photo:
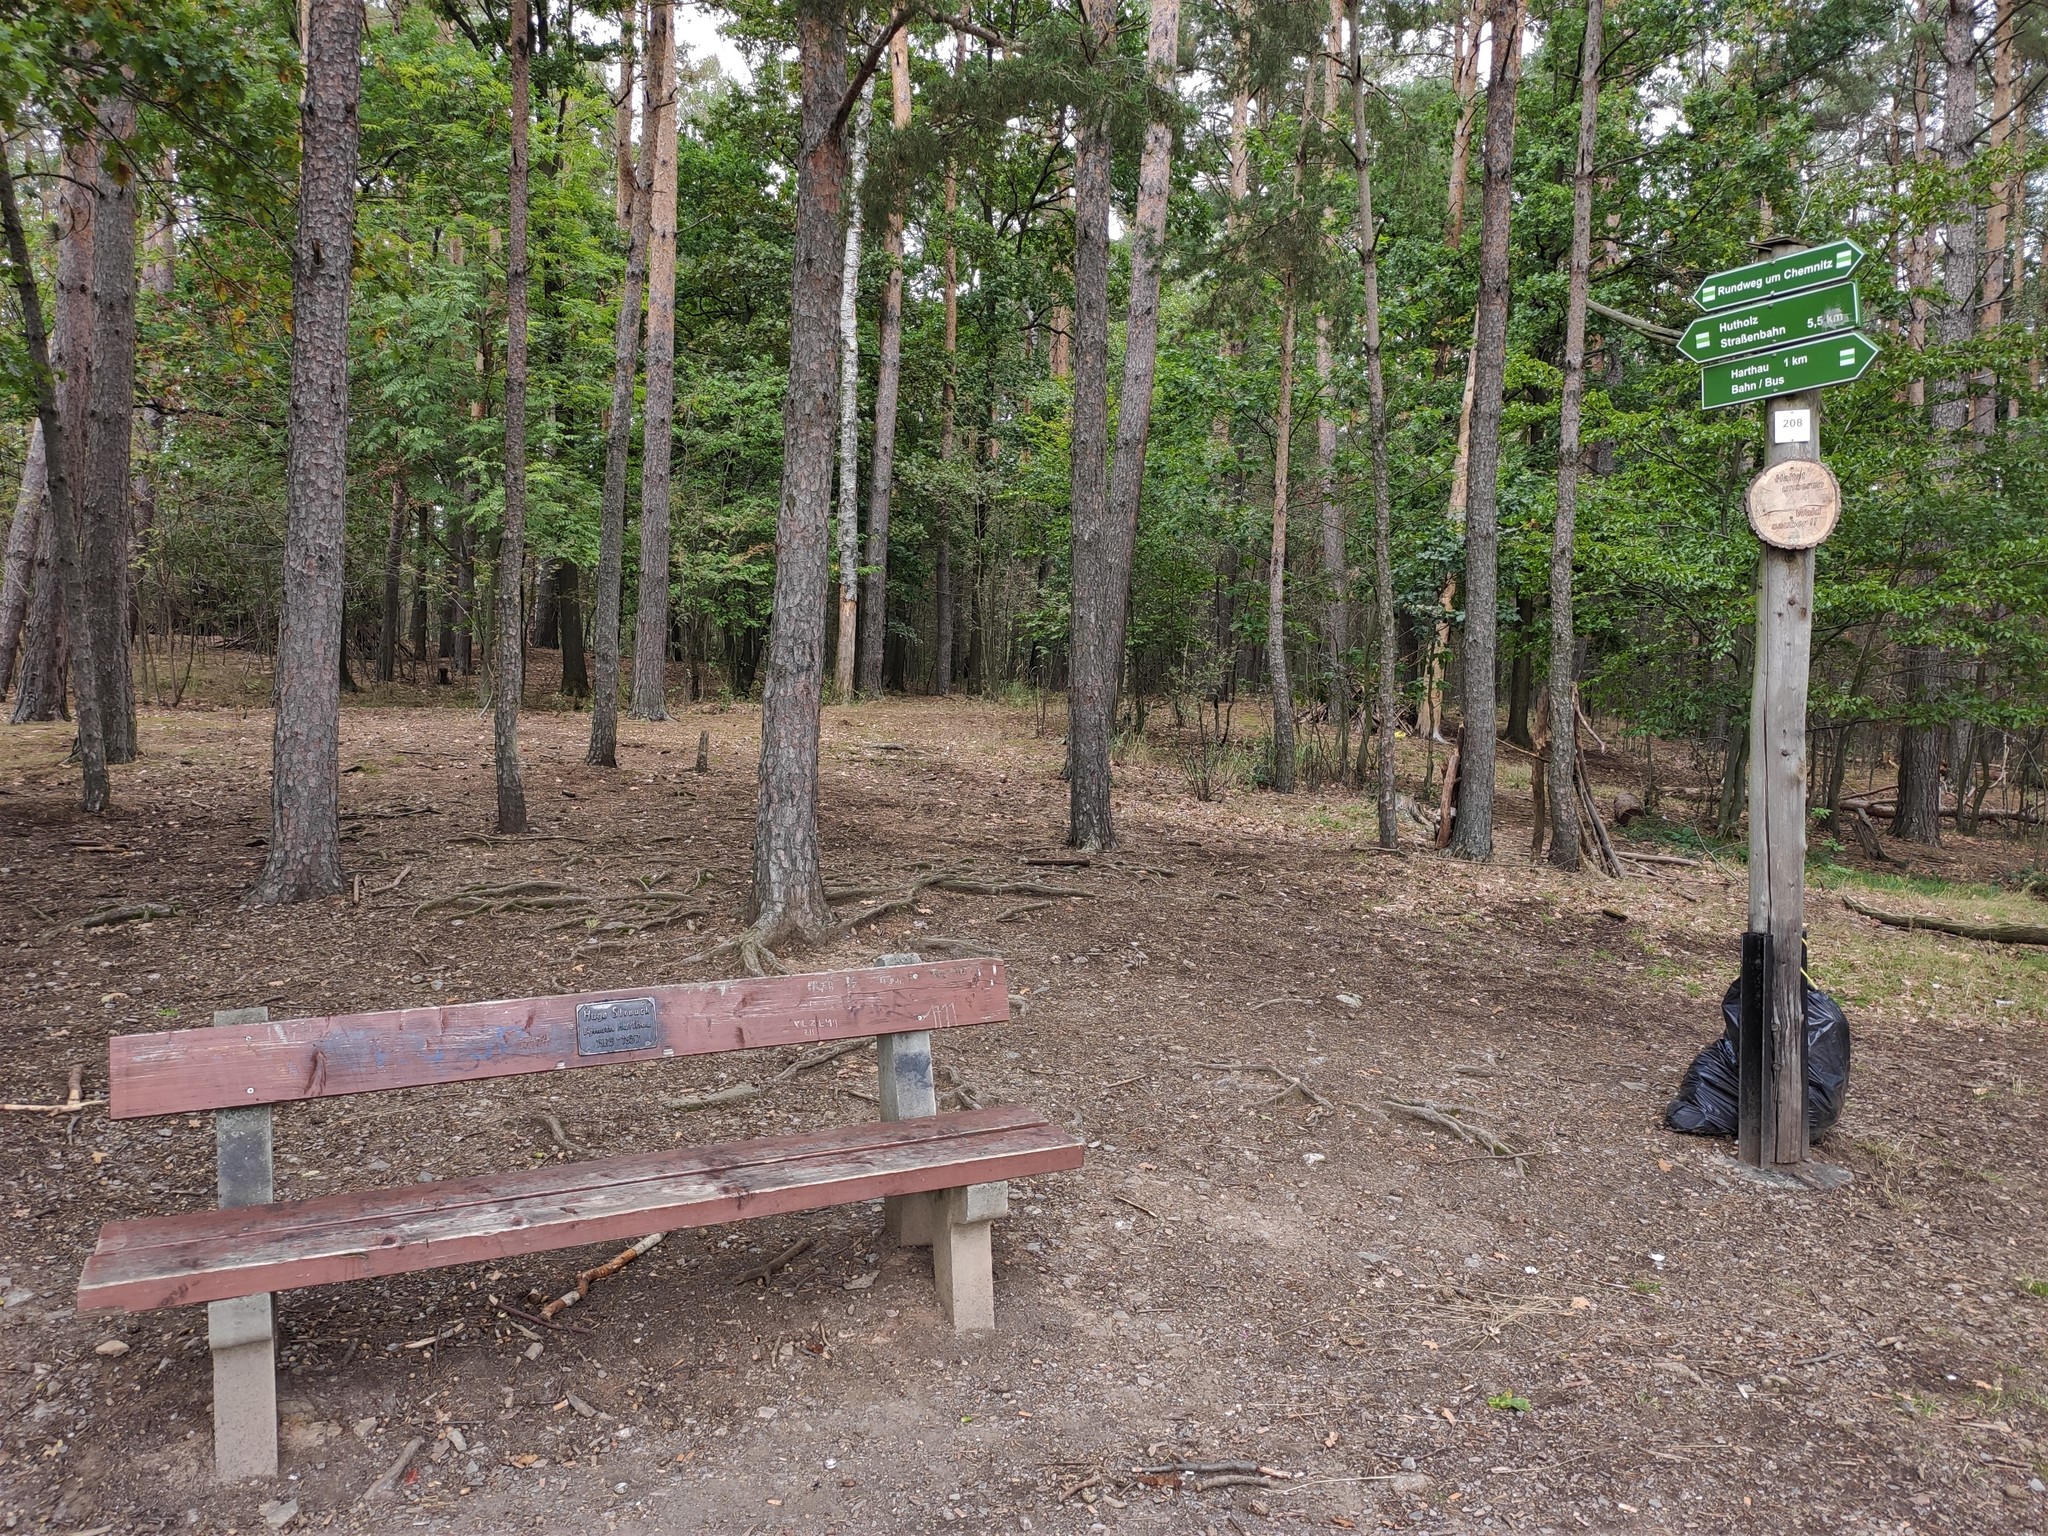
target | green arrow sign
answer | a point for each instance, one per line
(1726, 333)
(1810, 365)
(1778, 275)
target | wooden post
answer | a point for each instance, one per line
(240, 1332)
(906, 1090)
(1777, 804)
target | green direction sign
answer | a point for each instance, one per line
(1726, 333)
(1778, 275)
(1810, 365)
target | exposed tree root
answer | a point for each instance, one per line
(1445, 1118)
(739, 1093)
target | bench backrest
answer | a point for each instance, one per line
(238, 1065)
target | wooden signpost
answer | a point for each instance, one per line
(1752, 313)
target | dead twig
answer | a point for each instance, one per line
(72, 1102)
(107, 917)
(1011, 914)
(782, 1260)
(557, 1134)
(388, 1483)
(1294, 1084)
(1988, 933)
(604, 1271)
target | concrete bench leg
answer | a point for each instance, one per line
(906, 1091)
(244, 1388)
(961, 1262)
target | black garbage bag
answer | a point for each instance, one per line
(1705, 1105)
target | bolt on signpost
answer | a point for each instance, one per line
(1780, 330)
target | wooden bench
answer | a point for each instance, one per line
(941, 1177)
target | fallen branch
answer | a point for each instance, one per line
(1989, 933)
(740, 1092)
(1294, 1084)
(72, 1102)
(1011, 914)
(559, 1136)
(1657, 858)
(604, 1271)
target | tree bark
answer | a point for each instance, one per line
(23, 534)
(95, 794)
(1564, 718)
(626, 175)
(1465, 87)
(422, 539)
(849, 413)
(789, 889)
(508, 682)
(1092, 665)
(1276, 569)
(394, 566)
(1141, 323)
(650, 626)
(40, 695)
(108, 513)
(305, 777)
(874, 597)
(569, 629)
(618, 444)
(160, 246)
(1335, 556)
(1385, 681)
(1473, 836)
(949, 404)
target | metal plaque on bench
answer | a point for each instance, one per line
(624, 1024)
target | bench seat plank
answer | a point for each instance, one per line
(214, 1255)
(185, 1071)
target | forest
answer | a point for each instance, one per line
(1202, 517)
(1155, 364)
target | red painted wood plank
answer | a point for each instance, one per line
(214, 1255)
(182, 1071)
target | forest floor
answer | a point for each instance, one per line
(1618, 1333)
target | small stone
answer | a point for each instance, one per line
(457, 1439)
(279, 1513)
(112, 1349)
(364, 1428)
(1258, 1507)
(1350, 1000)
(533, 1350)
(581, 1409)
(1408, 1483)
(766, 1413)
(2015, 1491)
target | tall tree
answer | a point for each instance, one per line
(1141, 324)
(508, 667)
(849, 413)
(1385, 696)
(1092, 664)
(23, 534)
(1472, 837)
(789, 888)
(650, 627)
(305, 772)
(109, 518)
(949, 405)
(40, 694)
(618, 443)
(1276, 567)
(95, 794)
(1564, 742)
(874, 598)
(1920, 737)
(394, 568)
(1323, 484)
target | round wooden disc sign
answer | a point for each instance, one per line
(1794, 505)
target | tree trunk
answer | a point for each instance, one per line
(1919, 802)
(1276, 569)
(160, 247)
(1465, 86)
(789, 890)
(1564, 721)
(626, 176)
(1092, 665)
(40, 695)
(108, 514)
(949, 404)
(96, 795)
(1385, 680)
(394, 565)
(874, 597)
(509, 663)
(23, 534)
(465, 592)
(1323, 485)
(569, 629)
(422, 539)
(650, 626)
(849, 413)
(618, 444)
(1521, 672)
(305, 778)
(1473, 837)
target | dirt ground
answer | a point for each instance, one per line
(1616, 1334)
